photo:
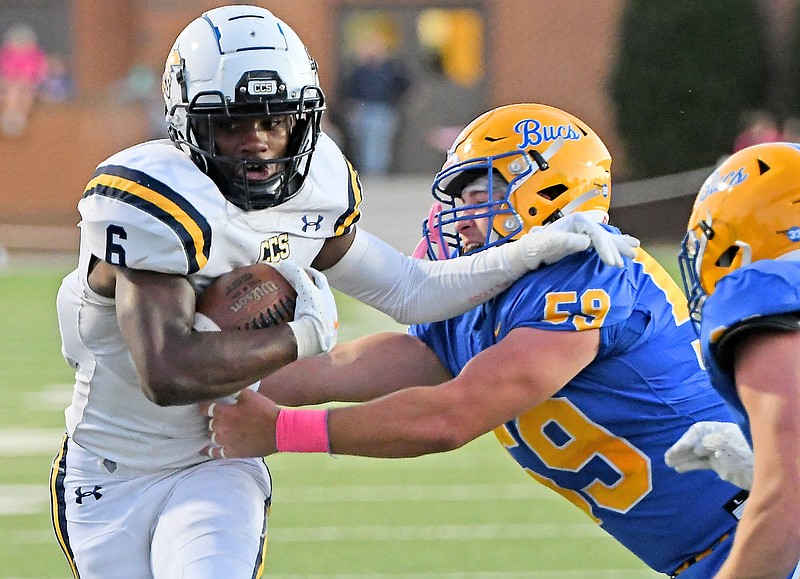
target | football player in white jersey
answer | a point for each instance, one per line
(246, 176)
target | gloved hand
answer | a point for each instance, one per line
(315, 317)
(570, 234)
(718, 446)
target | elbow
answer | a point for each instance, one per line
(447, 433)
(158, 394)
(792, 534)
(453, 422)
(445, 443)
(163, 389)
(401, 315)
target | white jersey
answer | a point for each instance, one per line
(149, 207)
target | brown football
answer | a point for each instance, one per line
(249, 297)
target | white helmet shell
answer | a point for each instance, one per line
(236, 60)
(215, 51)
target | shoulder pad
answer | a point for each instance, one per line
(334, 189)
(132, 218)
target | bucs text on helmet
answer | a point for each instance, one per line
(748, 209)
(540, 163)
(234, 63)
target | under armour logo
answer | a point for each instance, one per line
(86, 494)
(315, 224)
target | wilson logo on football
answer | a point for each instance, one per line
(259, 292)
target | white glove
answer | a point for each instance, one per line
(718, 446)
(570, 234)
(315, 318)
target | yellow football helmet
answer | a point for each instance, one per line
(748, 209)
(541, 163)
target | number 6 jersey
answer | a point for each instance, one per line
(149, 207)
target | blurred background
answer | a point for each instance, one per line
(670, 89)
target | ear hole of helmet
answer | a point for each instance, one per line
(552, 192)
(727, 257)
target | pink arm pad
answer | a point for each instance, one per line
(302, 430)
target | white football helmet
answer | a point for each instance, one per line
(242, 61)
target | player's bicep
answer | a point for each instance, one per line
(522, 370)
(333, 250)
(154, 311)
(767, 370)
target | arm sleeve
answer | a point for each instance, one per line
(414, 291)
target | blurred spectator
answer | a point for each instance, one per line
(791, 130)
(58, 86)
(760, 127)
(142, 86)
(23, 67)
(372, 92)
(331, 128)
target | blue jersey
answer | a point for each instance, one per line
(746, 296)
(600, 440)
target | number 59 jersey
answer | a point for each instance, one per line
(149, 207)
(600, 440)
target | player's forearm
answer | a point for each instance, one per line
(375, 273)
(767, 543)
(413, 422)
(207, 365)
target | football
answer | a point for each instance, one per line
(250, 297)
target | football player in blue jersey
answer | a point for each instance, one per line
(246, 176)
(586, 373)
(741, 265)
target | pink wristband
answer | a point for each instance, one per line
(302, 430)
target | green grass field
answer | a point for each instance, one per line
(470, 513)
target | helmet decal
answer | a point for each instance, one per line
(534, 133)
(719, 182)
(172, 66)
